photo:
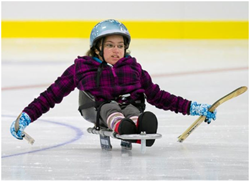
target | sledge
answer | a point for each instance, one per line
(106, 133)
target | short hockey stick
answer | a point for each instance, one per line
(26, 136)
(227, 97)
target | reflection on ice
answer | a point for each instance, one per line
(64, 150)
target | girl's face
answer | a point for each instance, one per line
(113, 49)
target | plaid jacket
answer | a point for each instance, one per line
(126, 76)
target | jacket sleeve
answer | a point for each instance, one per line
(162, 99)
(54, 94)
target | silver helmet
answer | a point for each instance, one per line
(108, 27)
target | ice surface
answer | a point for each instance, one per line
(200, 70)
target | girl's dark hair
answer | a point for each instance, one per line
(91, 52)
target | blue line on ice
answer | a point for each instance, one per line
(78, 135)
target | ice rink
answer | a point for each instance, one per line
(198, 70)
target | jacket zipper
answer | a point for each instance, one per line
(113, 71)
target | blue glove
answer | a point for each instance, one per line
(202, 110)
(23, 123)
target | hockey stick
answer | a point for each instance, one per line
(26, 136)
(227, 97)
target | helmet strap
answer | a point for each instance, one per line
(101, 50)
(100, 68)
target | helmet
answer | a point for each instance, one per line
(108, 27)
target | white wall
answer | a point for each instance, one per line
(162, 10)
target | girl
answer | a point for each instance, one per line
(114, 84)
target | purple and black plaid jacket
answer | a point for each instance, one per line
(126, 76)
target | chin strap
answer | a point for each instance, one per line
(100, 68)
(99, 72)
